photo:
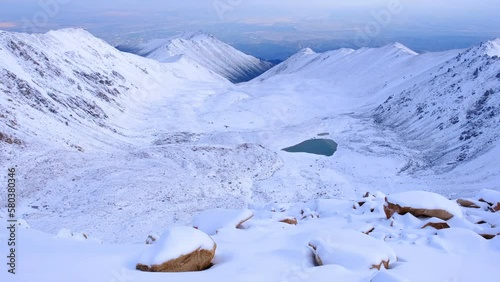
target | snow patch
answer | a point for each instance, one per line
(490, 196)
(352, 250)
(212, 220)
(493, 48)
(404, 49)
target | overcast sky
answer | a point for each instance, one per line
(353, 22)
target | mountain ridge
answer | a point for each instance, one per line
(206, 51)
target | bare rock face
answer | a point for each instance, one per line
(179, 249)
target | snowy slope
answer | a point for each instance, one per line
(206, 51)
(82, 119)
(451, 113)
(67, 85)
(303, 59)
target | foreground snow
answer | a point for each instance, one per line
(350, 235)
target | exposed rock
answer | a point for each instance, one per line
(291, 221)
(390, 209)
(379, 266)
(488, 236)
(496, 208)
(467, 204)
(151, 239)
(491, 197)
(437, 225)
(196, 261)
(369, 231)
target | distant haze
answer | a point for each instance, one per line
(268, 29)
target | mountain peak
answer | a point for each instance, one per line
(307, 51)
(207, 51)
(492, 47)
(402, 48)
(194, 35)
(70, 31)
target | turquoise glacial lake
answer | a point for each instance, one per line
(325, 147)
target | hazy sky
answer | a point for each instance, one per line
(422, 24)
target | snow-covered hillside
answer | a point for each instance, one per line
(208, 52)
(69, 87)
(450, 113)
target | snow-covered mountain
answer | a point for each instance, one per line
(209, 52)
(67, 85)
(451, 112)
(99, 133)
(442, 104)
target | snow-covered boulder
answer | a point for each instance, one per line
(179, 249)
(490, 197)
(420, 203)
(210, 221)
(352, 250)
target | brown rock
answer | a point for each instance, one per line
(291, 221)
(379, 266)
(496, 208)
(437, 225)
(488, 236)
(240, 224)
(390, 209)
(467, 204)
(196, 261)
(484, 201)
(369, 231)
